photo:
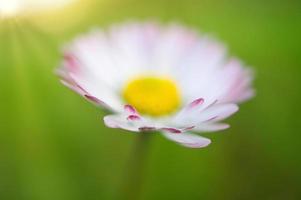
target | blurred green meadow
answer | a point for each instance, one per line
(54, 145)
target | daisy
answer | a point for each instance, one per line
(167, 79)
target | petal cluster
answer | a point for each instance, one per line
(98, 65)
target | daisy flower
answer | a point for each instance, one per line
(167, 79)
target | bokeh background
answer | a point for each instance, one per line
(54, 146)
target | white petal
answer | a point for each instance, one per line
(183, 117)
(100, 91)
(104, 98)
(198, 73)
(129, 120)
(218, 112)
(198, 114)
(188, 140)
(118, 121)
(236, 82)
(210, 127)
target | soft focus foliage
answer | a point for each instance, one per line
(53, 144)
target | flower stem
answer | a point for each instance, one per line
(134, 173)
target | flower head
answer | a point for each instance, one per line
(157, 78)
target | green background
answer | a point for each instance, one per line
(54, 146)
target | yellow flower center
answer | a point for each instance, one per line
(152, 95)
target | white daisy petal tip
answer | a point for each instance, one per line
(211, 127)
(219, 112)
(188, 140)
(117, 121)
(109, 122)
(144, 72)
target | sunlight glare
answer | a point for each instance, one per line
(9, 7)
(14, 7)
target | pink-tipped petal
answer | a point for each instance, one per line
(71, 62)
(133, 118)
(172, 130)
(130, 110)
(94, 99)
(147, 129)
(116, 121)
(183, 117)
(196, 103)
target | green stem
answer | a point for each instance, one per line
(134, 173)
